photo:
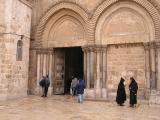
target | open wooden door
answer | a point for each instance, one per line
(58, 87)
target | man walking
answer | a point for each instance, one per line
(80, 90)
(73, 86)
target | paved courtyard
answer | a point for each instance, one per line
(67, 108)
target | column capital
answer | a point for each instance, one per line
(151, 45)
(146, 45)
(158, 44)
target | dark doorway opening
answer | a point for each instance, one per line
(73, 66)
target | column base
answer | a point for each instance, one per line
(147, 94)
(89, 93)
(104, 93)
(98, 93)
(38, 90)
(154, 97)
(112, 95)
(50, 91)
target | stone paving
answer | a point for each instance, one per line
(67, 108)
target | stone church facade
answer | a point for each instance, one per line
(101, 41)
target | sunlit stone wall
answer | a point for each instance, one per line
(15, 20)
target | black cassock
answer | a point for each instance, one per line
(121, 93)
(133, 87)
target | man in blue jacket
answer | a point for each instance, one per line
(80, 90)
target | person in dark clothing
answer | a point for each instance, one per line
(133, 88)
(44, 83)
(80, 90)
(121, 93)
(47, 83)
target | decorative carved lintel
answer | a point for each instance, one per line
(44, 51)
(94, 48)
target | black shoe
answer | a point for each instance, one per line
(131, 105)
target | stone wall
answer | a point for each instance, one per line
(14, 74)
(42, 6)
(125, 61)
(113, 23)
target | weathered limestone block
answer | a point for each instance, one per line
(89, 93)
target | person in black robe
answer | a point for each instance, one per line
(44, 83)
(47, 83)
(121, 93)
(133, 88)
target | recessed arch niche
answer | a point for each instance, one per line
(64, 29)
(123, 27)
(124, 22)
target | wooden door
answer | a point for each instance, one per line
(59, 71)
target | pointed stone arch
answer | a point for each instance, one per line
(140, 15)
(146, 5)
(79, 13)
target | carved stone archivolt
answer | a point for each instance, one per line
(94, 48)
(91, 22)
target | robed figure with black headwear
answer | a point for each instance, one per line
(121, 93)
(133, 88)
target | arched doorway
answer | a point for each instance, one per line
(64, 34)
(68, 63)
(124, 27)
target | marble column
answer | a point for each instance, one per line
(38, 69)
(85, 67)
(98, 73)
(147, 69)
(38, 73)
(50, 71)
(104, 72)
(50, 56)
(91, 68)
(44, 64)
(47, 63)
(153, 65)
(41, 65)
(88, 70)
(158, 66)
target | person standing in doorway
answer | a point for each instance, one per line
(44, 83)
(121, 93)
(47, 83)
(80, 90)
(73, 85)
(133, 88)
